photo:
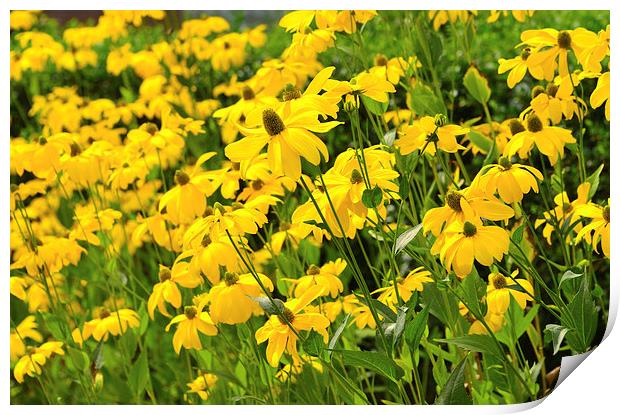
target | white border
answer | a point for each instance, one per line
(593, 386)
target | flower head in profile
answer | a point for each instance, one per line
(325, 277)
(31, 363)
(517, 68)
(501, 288)
(27, 329)
(202, 384)
(232, 300)
(167, 289)
(108, 322)
(598, 230)
(414, 281)
(278, 330)
(565, 212)
(510, 180)
(463, 242)
(429, 134)
(190, 323)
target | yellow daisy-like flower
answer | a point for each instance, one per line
(430, 133)
(30, 364)
(115, 323)
(325, 277)
(288, 136)
(461, 243)
(601, 93)
(565, 212)
(510, 181)
(27, 329)
(280, 335)
(232, 300)
(499, 292)
(414, 281)
(519, 66)
(494, 321)
(167, 290)
(550, 141)
(552, 48)
(192, 321)
(202, 384)
(598, 229)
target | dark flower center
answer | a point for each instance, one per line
(499, 282)
(287, 315)
(206, 241)
(525, 53)
(284, 226)
(235, 165)
(247, 93)
(313, 270)
(606, 213)
(104, 314)
(552, 89)
(290, 93)
(537, 90)
(150, 128)
(356, 177)
(534, 124)
(381, 60)
(42, 141)
(257, 184)
(516, 126)
(272, 122)
(75, 149)
(181, 178)
(505, 163)
(469, 229)
(453, 200)
(230, 278)
(164, 274)
(564, 40)
(190, 311)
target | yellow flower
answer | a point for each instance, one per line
(280, 335)
(598, 229)
(499, 292)
(550, 141)
(366, 84)
(292, 232)
(464, 242)
(494, 321)
(414, 281)
(430, 133)
(232, 300)
(290, 370)
(167, 291)
(325, 277)
(552, 48)
(565, 212)
(519, 15)
(468, 204)
(520, 65)
(27, 329)
(590, 48)
(390, 69)
(192, 321)
(289, 136)
(202, 384)
(115, 323)
(601, 93)
(510, 181)
(30, 364)
(187, 200)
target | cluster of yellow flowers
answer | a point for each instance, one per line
(123, 169)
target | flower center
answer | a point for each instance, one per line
(606, 213)
(257, 184)
(104, 314)
(230, 278)
(534, 124)
(453, 200)
(247, 93)
(235, 165)
(75, 149)
(516, 126)
(313, 270)
(42, 141)
(181, 178)
(505, 163)
(567, 207)
(190, 311)
(381, 60)
(226, 45)
(284, 226)
(537, 90)
(356, 177)
(290, 93)
(552, 89)
(206, 241)
(499, 282)
(164, 274)
(208, 212)
(525, 53)
(287, 315)
(564, 40)
(150, 128)
(272, 122)
(469, 229)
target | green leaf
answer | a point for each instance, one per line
(415, 329)
(79, 359)
(584, 316)
(480, 141)
(477, 85)
(475, 343)
(381, 308)
(313, 345)
(405, 238)
(557, 334)
(374, 361)
(473, 290)
(594, 181)
(375, 107)
(398, 327)
(337, 333)
(568, 275)
(139, 374)
(424, 102)
(453, 392)
(372, 197)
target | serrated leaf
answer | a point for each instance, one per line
(477, 85)
(405, 238)
(374, 361)
(453, 392)
(372, 197)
